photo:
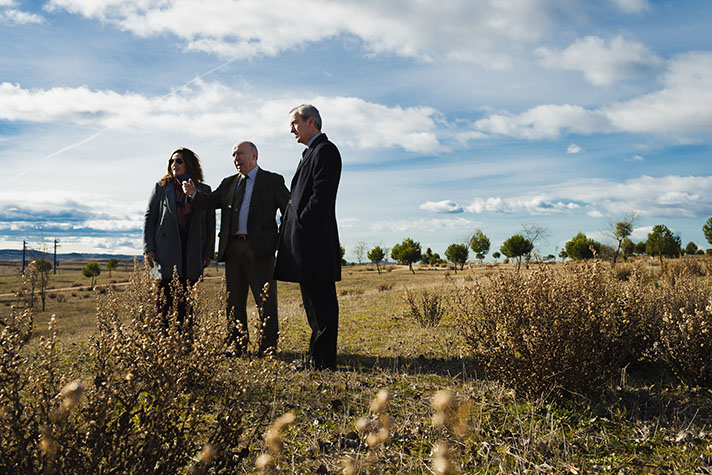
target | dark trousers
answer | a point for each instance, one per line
(243, 272)
(167, 302)
(322, 310)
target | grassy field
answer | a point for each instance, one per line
(644, 421)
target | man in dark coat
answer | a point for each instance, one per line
(309, 251)
(248, 235)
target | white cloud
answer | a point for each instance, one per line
(545, 122)
(632, 6)
(680, 108)
(536, 205)
(573, 149)
(214, 110)
(10, 14)
(481, 31)
(445, 206)
(664, 197)
(603, 63)
(634, 158)
(670, 196)
(421, 224)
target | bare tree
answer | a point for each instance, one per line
(534, 233)
(360, 250)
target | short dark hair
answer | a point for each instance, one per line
(307, 110)
(192, 166)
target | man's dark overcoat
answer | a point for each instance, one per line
(309, 251)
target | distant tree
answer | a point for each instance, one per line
(700, 252)
(563, 255)
(343, 252)
(359, 250)
(407, 252)
(640, 248)
(457, 254)
(620, 231)
(91, 270)
(496, 255)
(376, 255)
(435, 260)
(691, 248)
(662, 243)
(707, 229)
(426, 257)
(112, 264)
(550, 257)
(628, 248)
(580, 247)
(516, 247)
(480, 244)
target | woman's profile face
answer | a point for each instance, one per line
(177, 164)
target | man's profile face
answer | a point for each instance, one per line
(244, 158)
(303, 129)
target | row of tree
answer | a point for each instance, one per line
(661, 242)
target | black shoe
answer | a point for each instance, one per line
(303, 365)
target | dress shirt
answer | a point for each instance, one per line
(313, 139)
(245, 208)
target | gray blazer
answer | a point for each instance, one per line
(161, 234)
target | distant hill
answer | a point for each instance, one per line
(16, 255)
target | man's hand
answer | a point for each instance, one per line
(206, 261)
(189, 187)
(150, 258)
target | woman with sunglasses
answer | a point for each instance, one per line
(175, 234)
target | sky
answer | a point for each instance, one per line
(450, 116)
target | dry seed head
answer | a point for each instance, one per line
(383, 435)
(285, 420)
(48, 444)
(379, 403)
(273, 441)
(386, 421)
(443, 400)
(372, 440)
(349, 466)
(207, 454)
(265, 463)
(71, 394)
(441, 459)
(363, 424)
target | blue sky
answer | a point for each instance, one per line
(450, 116)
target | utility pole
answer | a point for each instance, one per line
(24, 253)
(55, 256)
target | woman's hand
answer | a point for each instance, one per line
(150, 258)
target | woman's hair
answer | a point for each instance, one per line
(192, 166)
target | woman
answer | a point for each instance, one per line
(175, 234)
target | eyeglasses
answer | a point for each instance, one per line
(179, 161)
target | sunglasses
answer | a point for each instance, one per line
(178, 161)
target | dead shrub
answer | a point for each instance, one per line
(153, 393)
(686, 333)
(547, 331)
(426, 307)
(385, 286)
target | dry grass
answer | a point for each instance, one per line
(211, 413)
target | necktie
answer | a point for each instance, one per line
(237, 201)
